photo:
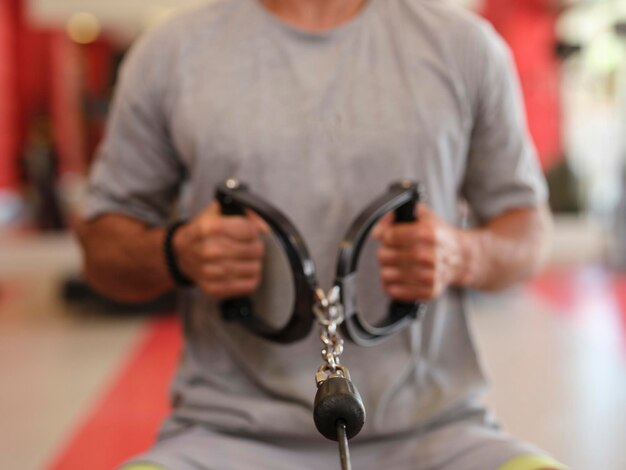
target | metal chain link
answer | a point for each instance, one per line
(330, 316)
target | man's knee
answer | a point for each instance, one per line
(532, 462)
(142, 466)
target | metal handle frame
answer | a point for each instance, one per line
(234, 199)
(402, 198)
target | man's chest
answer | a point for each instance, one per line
(331, 121)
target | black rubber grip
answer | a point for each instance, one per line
(404, 214)
(238, 308)
(231, 207)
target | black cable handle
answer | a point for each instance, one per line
(235, 199)
(402, 198)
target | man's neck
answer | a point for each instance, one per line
(314, 15)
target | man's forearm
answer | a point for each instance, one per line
(124, 259)
(507, 250)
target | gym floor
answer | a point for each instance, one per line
(84, 386)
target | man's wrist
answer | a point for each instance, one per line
(171, 255)
(469, 246)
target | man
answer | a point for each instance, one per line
(319, 106)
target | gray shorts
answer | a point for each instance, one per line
(460, 446)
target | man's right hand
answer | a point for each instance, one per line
(223, 255)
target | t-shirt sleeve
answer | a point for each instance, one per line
(137, 172)
(502, 171)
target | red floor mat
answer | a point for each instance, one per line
(127, 417)
(619, 285)
(565, 290)
(558, 287)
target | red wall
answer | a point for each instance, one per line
(43, 74)
(9, 100)
(529, 28)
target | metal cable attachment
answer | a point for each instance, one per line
(338, 400)
(338, 410)
(344, 449)
(329, 312)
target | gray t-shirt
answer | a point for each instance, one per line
(319, 124)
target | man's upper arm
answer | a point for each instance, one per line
(137, 171)
(502, 172)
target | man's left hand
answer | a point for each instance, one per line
(419, 260)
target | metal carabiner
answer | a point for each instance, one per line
(402, 198)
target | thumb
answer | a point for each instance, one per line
(259, 223)
(213, 210)
(424, 212)
(382, 226)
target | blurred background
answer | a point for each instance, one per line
(84, 379)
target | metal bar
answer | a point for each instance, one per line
(344, 450)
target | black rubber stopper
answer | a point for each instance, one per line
(337, 399)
